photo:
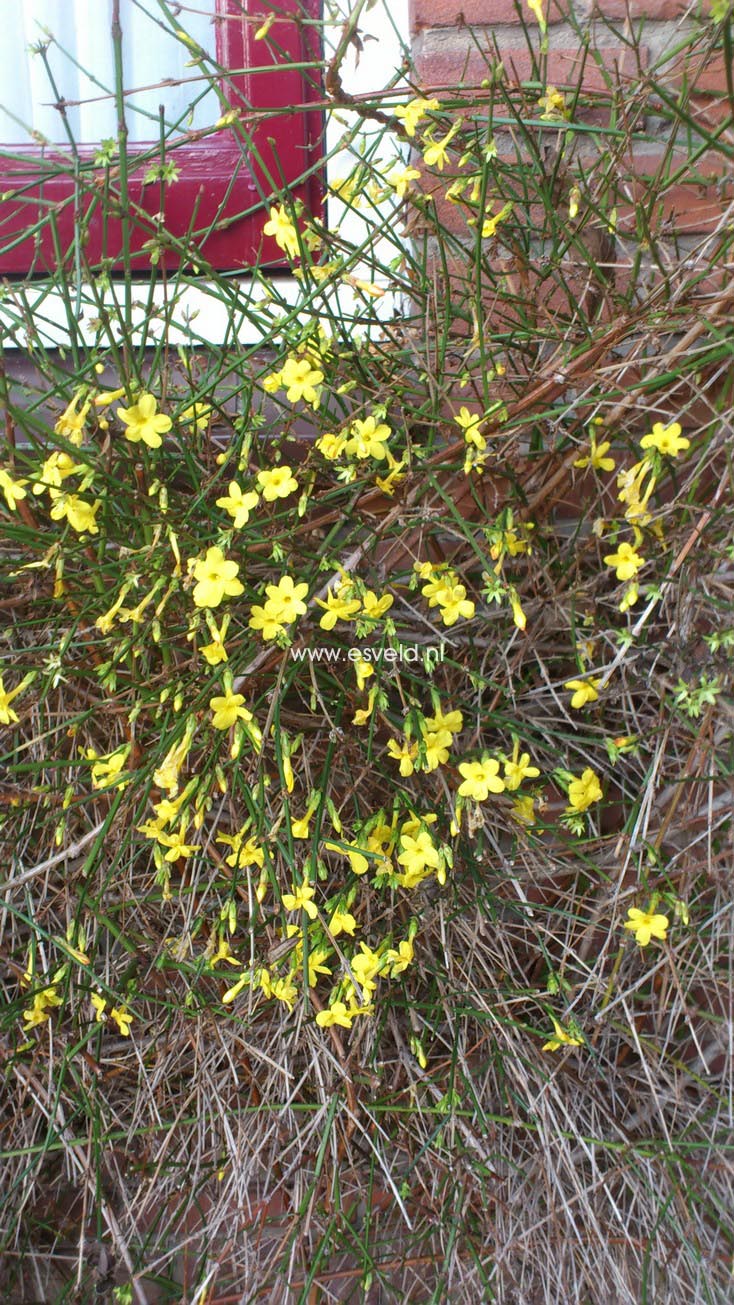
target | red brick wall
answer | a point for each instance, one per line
(631, 39)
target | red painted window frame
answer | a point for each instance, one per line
(217, 180)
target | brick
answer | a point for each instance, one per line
(702, 73)
(468, 13)
(653, 10)
(447, 66)
(704, 77)
(513, 294)
(694, 203)
(492, 13)
(513, 289)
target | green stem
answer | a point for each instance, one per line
(122, 136)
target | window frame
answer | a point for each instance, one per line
(216, 183)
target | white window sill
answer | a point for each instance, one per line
(191, 314)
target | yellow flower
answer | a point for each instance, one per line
(286, 991)
(437, 744)
(301, 899)
(337, 608)
(454, 603)
(277, 483)
(98, 1006)
(244, 852)
(583, 691)
(178, 848)
(228, 709)
(374, 607)
(236, 988)
(197, 416)
(517, 768)
(553, 103)
(106, 769)
(7, 714)
(491, 222)
(480, 778)
(316, 966)
(105, 622)
(137, 614)
(264, 28)
(342, 922)
(630, 492)
(436, 153)
(123, 1019)
(166, 776)
(331, 446)
(453, 721)
(367, 439)
(266, 620)
(418, 1050)
(216, 579)
(12, 489)
(399, 958)
(668, 440)
(238, 503)
(54, 471)
(284, 233)
(400, 179)
(300, 379)
(405, 754)
(518, 614)
(523, 809)
(358, 862)
(40, 1010)
(105, 397)
(389, 483)
(365, 965)
(215, 652)
(471, 425)
(536, 8)
(418, 855)
(437, 585)
(71, 423)
(380, 841)
(596, 456)
(144, 423)
(349, 189)
(561, 1038)
(167, 809)
(627, 561)
(337, 1013)
(362, 672)
(224, 953)
(363, 714)
(629, 597)
(79, 513)
(412, 113)
(285, 600)
(584, 791)
(508, 541)
(300, 827)
(646, 925)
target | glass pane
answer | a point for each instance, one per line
(77, 46)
